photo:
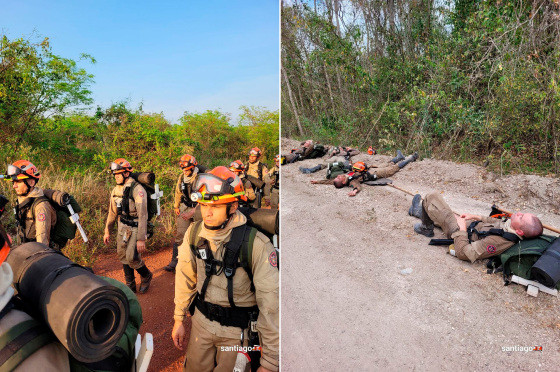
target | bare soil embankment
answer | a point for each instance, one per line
(346, 304)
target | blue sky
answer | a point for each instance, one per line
(173, 56)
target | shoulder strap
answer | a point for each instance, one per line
(260, 170)
(483, 234)
(231, 257)
(20, 341)
(128, 195)
(246, 253)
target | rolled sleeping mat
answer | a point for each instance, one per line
(86, 313)
(144, 177)
(259, 184)
(547, 268)
(265, 220)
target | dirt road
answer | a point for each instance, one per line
(157, 306)
(347, 304)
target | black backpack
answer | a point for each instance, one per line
(147, 180)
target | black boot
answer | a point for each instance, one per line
(426, 227)
(146, 275)
(415, 209)
(409, 159)
(129, 277)
(173, 263)
(398, 158)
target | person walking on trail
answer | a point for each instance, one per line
(239, 169)
(272, 189)
(183, 206)
(35, 217)
(129, 203)
(475, 237)
(362, 173)
(227, 279)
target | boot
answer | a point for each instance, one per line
(409, 159)
(173, 263)
(146, 275)
(426, 227)
(415, 209)
(129, 277)
(398, 158)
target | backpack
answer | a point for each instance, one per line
(123, 356)
(337, 168)
(147, 180)
(317, 152)
(521, 257)
(64, 229)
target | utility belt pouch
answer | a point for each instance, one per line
(127, 233)
(252, 332)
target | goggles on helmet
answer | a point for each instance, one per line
(14, 173)
(215, 188)
(117, 167)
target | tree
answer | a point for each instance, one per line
(35, 83)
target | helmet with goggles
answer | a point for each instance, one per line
(237, 166)
(21, 170)
(187, 162)
(219, 186)
(120, 165)
(255, 151)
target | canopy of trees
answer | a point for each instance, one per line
(458, 79)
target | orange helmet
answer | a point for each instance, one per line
(120, 165)
(237, 166)
(371, 151)
(23, 169)
(255, 151)
(220, 186)
(359, 166)
(187, 162)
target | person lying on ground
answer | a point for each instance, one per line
(362, 173)
(344, 163)
(475, 237)
(307, 150)
(346, 152)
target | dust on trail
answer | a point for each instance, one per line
(346, 305)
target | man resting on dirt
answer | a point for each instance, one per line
(307, 150)
(346, 152)
(341, 159)
(362, 173)
(472, 234)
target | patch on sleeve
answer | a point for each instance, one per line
(41, 217)
(273, 259)
(491, 249)
(141, 194)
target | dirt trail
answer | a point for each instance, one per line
(347, 305)
(157, 306)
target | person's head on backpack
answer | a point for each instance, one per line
(526, 225)
(218, 193)
(24, 176)
(121, 170)
(187, 164)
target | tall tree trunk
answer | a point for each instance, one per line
(300, 129)
(329, 85)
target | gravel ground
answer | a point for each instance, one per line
(362, 291)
